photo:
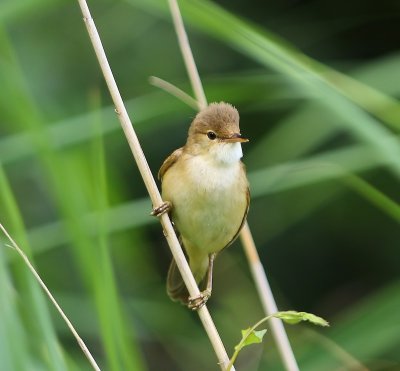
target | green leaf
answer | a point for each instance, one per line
(250, 336)
(292, 317)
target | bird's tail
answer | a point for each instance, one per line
(176, 288)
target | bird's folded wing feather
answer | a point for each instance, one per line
(169, 161)
(243, 220)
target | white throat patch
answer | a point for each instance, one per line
(227, 153)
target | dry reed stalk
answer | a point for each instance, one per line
(81, 343)
(257, 269)
(151, 186)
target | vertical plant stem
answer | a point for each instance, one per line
(257, 269)
(268, 300)
(187, 54)
(53, 300)
(151, 185)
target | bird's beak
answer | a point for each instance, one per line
(235, 138)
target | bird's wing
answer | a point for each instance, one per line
(169, 161)
(244, 217)
(243, 220)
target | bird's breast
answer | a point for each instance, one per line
(206, 175)
(209, 202)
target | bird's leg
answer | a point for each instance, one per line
(165, 207)
(195, 303)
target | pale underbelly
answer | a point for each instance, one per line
(208, 204)
(208, 222)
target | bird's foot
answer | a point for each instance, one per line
(165, 207)
(196, 302)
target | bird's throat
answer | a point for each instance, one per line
(226, 153)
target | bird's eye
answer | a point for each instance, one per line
(211, 135)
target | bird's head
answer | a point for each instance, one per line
(215, 132)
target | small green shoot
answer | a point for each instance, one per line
(293, 318)
(252, 336)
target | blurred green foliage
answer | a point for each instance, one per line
(317, 86)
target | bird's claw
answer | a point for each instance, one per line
(196, 302)
(162, 209)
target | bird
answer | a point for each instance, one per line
(206, 193)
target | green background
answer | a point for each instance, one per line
(317, 86)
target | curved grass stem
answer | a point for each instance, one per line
(81, 343)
